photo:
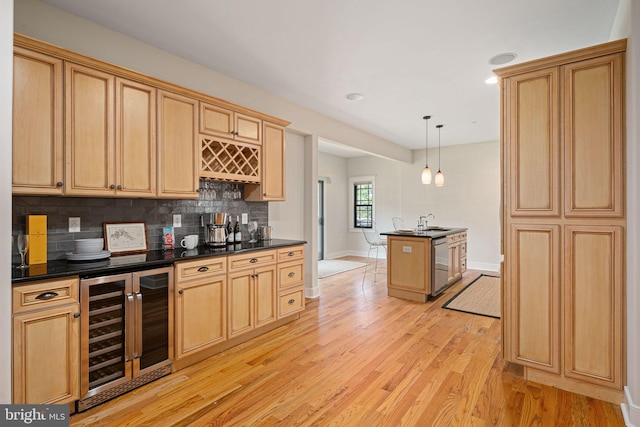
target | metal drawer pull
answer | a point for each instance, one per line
(47, 295)
(253, 260)
(290, 254)
(292, 274)
(76, 315)
(291, 301)
(203, 268)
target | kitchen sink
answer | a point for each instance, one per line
(437, 229)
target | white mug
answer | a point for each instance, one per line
(190, 241)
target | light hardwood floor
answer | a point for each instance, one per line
(357, 357)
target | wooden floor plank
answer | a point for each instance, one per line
(358, 357)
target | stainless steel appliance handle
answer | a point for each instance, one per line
(137, 350)
(128, 337)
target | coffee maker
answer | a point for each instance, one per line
(215, 232)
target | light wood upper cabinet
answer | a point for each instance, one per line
(219, 121)
(272, 185)
(533, 152)
(46, 342)
(37, 124)
(178, 154)
(89, 131)
(135, 139)
(594, 164)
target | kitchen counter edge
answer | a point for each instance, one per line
(429, 234)
(152, 259)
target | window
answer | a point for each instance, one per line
(362, 196)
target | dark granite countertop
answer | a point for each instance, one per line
(431, 233)
(123, 263)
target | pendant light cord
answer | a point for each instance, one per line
(426, 143)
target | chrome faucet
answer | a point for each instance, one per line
(422, 222)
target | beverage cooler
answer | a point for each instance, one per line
(126, 332)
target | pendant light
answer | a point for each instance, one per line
(426, 172)
(439, 176)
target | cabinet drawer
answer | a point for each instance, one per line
(251, 260)
(463, 248)
(291, 253)
(291, 302)
(463, 264)
(45, 294)
(291, 274)
(200, 268)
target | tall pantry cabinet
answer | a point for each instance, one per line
(563, 219)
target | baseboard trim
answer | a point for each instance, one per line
(630, 410)
(483, 266)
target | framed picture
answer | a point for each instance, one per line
(125, 237)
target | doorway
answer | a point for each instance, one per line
(320, 220)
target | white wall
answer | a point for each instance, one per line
(387, 198)
(628, 23)
(470, 197)
(333, 170)
(41, 21)
(6, 87)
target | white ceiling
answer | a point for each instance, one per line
(409, 58)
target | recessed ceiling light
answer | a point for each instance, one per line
(491, 80)
(354, 96)
(502, 58)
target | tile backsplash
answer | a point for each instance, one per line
(157, 213)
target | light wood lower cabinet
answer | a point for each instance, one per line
(46, 342)
(457, 255)
(201, 305)
(252, 292)
(290, 281)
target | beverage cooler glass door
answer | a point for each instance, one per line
(154, 318)
(126, 327)
(104, 332)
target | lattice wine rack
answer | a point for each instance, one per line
(229, 161)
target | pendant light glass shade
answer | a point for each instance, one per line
(426, 172)
(426, 175)
(439, 176)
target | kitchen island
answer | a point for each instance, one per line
(422, 264)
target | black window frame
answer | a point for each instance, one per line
(362, 205)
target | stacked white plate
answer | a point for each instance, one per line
(88, 249)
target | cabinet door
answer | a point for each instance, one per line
(216, 120)
(37, 124)
(135, 139)
(454, 263)
(248, 129)
(46, 356)
(272, 186)
(532, 294)
(178, 155)
(533, 150)
(593, 135)
(201, 315)
(265, 294)
(89, 131)
(409, 263)
(241, 299)
(594, 304)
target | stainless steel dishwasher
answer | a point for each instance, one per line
(439, 265)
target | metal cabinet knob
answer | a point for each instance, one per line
(291, 301)
(181, 292)
(59, 184)
(112, 187)
(76, 315)
(119, 187)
